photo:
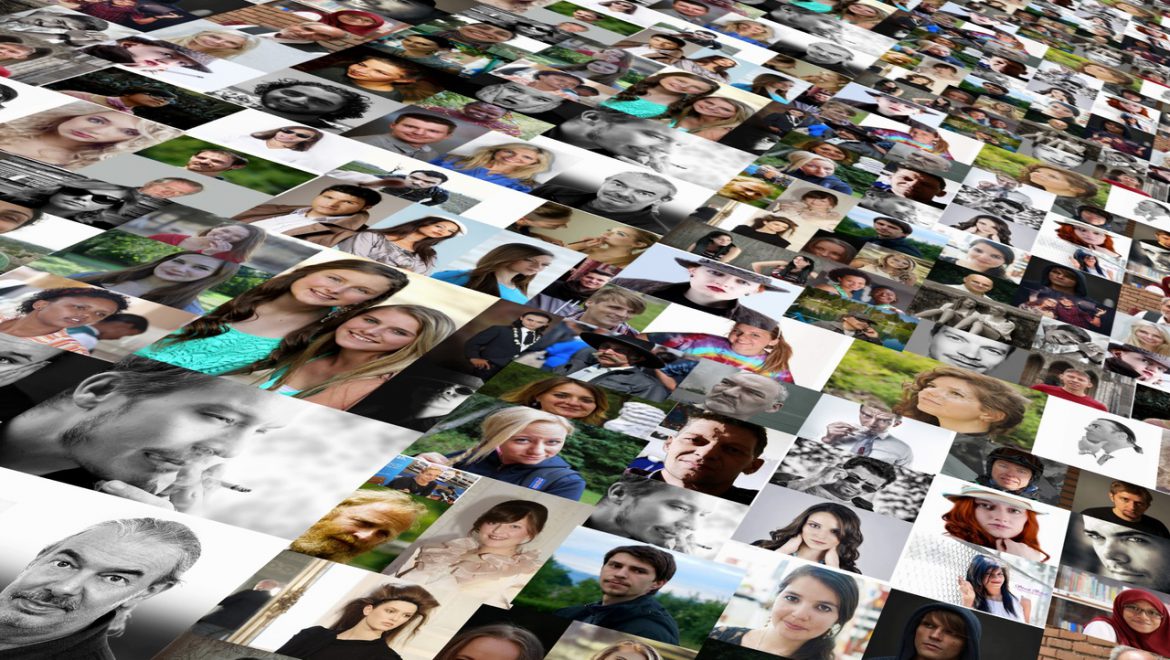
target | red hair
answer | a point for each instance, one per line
(961, 524)
(1067, 232)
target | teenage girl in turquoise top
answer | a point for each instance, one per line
(653, 95)
(352, 354)
(504, 271)
(285, 308)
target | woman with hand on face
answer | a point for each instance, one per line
(828, 534)
(995, 520)
(617, 246)
(353, 354)
(561, 395)
(1139, 619)
(519, 446)
(989, 227)
(286, 308)
(813, 605)
(410, 245)
(79, 134)
(229, 241)
(504, 271)
(175, 280)
(986, 589)
(963, 401)
(490, 563)
(366, 626)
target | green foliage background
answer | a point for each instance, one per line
(260, 175)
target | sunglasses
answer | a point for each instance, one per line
(289, 131)
(80, 192)
(865, 485)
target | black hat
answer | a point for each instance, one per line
(1017, 456)
(728, 269)
(643, 348)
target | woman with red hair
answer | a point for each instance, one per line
(361, 23)
(1090, 238)
(1139, 620)
(995, 520)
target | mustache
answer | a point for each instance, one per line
(67, 603)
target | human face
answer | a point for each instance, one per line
(418, 181)
(100, 128)
(380, 330)
(1010, 476)
(419, 132)
(658, 43)
(187, 268)
(13, 216)
(376, 71)
(1147, 368)
(1050, 180)
(613, 354)
(715, 285)
(966, 350)
(640, 141)
(355, 19)
(690, 9)
(983, 257)
(715, 107)
(1143, 617)
(488, 648)
(312, 31)
(821, 531)
(533, 322)
(744, 395)
(443, 229)
(334, 203)
(303, 99)
(1129, 555)
(934, 642)
(860, 482)
(828, 250)
(480, 111)
(852, 283)
(230, 234)
(884, 296)
(593, 281)
(504, 537)
(629, 192)
(530, 266)
(147, 441)
(1129, 506)
(152, 56)
(349, 531)
(999, 519)
(388, 615)
(709, 455)
(950, 398)
(663, 517)
(903, 182)
(887, 229)
(210, 161)
(71, 201)
(750, 340)
(804, 610)
(71, 311)
(568, 400)
(219, 41)
(684, 85)
(19, 357)
(1090, 236)
(83, 579)
(607, 313)
(338, 288)
(535, 443)
(513, 159)
(625, 577)
(889, 105)
(987, 228)
(485, 33)
(602, 68)
(168, 189)
(419, 46)
(819, 167)
(1057, 157)
(1149, 338)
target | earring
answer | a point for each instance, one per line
(833, 631)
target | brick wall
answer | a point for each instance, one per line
(1067, 645)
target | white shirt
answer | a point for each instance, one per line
(596, 371)
(283, 223)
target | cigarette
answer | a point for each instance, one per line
(230, 486)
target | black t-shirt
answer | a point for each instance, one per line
(407, 483)
(1146, 524)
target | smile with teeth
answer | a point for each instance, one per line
(363, 338)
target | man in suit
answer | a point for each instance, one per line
(493, 348)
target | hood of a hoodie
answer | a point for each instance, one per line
(974, 630)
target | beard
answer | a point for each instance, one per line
(326, 540)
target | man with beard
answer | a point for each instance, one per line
(619, 363)
(214, 162)
(854, 483)
(618, 135)
(654, 512)
(1130, 503)
(81, 590)
(143, 430)
(632, 198)
(359, 523)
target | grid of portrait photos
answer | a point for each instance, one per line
(584, 329)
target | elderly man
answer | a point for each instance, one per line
(79, 591)
(619, 135)
(632, 198)
(359, 523)
(744, 394)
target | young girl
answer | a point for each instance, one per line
(757, 346)
(410, 245)
(175, 280)
(229, 241)
(505, 271)
(987, 589)
(286, 308)
(79, 134)
(988, 226)
(653, 95)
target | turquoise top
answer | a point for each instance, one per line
(286, 390)
(462, 277)
(638, 107)
(214, 355)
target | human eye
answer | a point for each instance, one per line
(1136, 540)
(1094, 536)
(825, 607)
(62, 563)
(118, 580)
(94, 119)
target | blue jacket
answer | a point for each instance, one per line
(552, 475)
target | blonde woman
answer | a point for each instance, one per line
(519, 446)
(1149, 337)
(353, 354)
(224, 44)
(618, 246)
(513, 165)
(628, 650)
(710, 117)
(896, 266)
(79, 134)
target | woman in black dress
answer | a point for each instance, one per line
(366, 626)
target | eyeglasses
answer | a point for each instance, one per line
(305, 136)
(1138, 610)
(81, 192)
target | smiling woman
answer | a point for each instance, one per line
(79, 134)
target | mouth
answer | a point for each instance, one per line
(163, 461)
(1123, 574)
(365, 339)
(83, 135)
(963, 362)
(32, 606)
(322, 295)
(78, 320)
(716, 289)
(794, 627)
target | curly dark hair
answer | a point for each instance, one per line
(355, 104)
(26, 307)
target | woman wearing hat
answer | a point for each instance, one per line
(1139, 619)
(845, 282)
(1013, 471)
(995, 520)
(520, 446)
(409, 245)
(818, 170)
(713, 287)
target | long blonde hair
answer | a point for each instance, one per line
(1132, 340)
(434, 327)
(499, 427)
(28, 129)
(483, 158)
(188, 41)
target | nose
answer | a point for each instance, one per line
(68, 586)
(1115, 553)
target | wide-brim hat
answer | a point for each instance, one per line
(643, 348)
(986, 494)
(1154, 357)
(728, 269)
